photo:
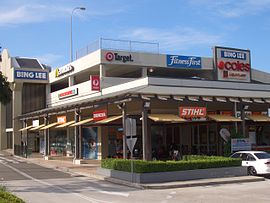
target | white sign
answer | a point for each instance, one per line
(130, 127)
(35, 123)
(240, 144)
(131, 143)
(225, 134)
(232, 64)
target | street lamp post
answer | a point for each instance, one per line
(71, 42)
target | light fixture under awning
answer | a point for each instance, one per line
(49, 126)
(207, 99)
(267, 100)
(221, 99)
(224, 118)
(26, 128)
(108, 120)
(37, 128)
(246, 100)
(259, 118)
(231, 99)
(166, 118)
(65, 124)
(257, 100)
(82, 122)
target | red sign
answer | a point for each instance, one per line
(99, 115)
(95, 83)
(192, 112)
(61, 119)
(69, 93)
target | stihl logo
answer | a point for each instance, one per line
(191, 112)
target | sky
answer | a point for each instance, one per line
(41, 29)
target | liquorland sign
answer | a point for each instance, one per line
(63, 70)
(232, 64)
(184, 61)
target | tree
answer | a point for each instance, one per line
(5, 91)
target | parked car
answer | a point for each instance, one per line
(257, 162)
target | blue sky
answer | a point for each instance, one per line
(41, 29)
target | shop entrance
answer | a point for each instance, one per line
(204, 139)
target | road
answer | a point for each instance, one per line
(36, 184)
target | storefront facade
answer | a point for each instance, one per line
(108, 99)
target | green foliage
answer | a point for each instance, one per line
(190, 162)
(6, 197)
(5, 91)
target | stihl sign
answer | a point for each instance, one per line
(192, 112)
(99, 115)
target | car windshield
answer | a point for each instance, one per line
(262, 155)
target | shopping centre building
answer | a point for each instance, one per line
(112, 99)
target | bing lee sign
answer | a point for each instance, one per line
(232, 64)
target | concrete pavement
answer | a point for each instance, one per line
(89, 169)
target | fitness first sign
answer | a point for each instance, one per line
(232, 64)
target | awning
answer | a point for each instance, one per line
(49, 126)
(37, 128)
(166, 118)
(26, 128)
(82, 122)
(224, 118)
(259, 118)
(65, 124)
(108, 120)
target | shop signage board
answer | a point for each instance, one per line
(35, 123)
(178, 61)
(232, 64)
(63, 70)
(95, 83)
(192, 112)
(30, 75)
(240, 144)
(225, 134)
(118, 57)
(61, 119)
(131, 143)
(100, 115)
(69, 93)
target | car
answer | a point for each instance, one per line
(257, 162)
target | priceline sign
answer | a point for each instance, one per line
(232, 64)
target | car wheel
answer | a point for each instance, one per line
(252, 171)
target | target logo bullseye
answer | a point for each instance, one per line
(109, 56)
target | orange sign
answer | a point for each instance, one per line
(61, 119)
(192, 112)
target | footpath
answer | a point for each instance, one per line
(89, 169)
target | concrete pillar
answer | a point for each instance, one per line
(71, 81)
(3, 137)
(144, 72)
(124, 114)
(146, 136)
(77, 118)
(17, 110)
(102, 74)
(46, 136)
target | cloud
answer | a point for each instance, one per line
(174, 39)
(232, 8)
(30, 14)
(16, 13)
(51, 59)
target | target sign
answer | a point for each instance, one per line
(95, 83)
(109, 56)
